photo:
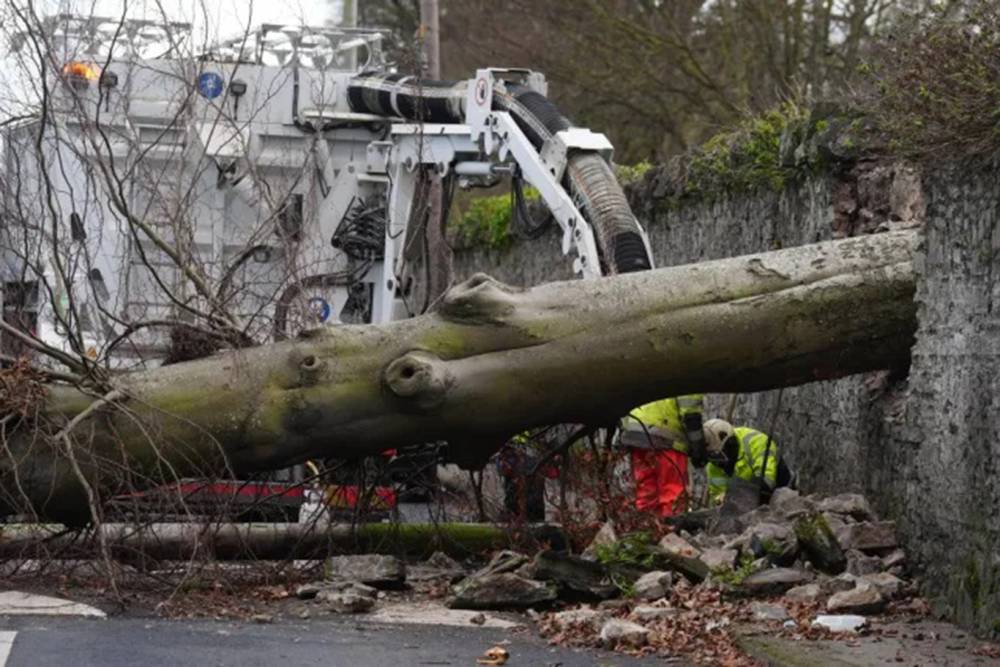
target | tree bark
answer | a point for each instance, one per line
(269, 541)
(491, 361)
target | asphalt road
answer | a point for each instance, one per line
(121, 642)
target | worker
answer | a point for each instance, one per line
(743, 453)
(524, 486)
(661, 436)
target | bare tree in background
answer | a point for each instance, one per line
(660, 77)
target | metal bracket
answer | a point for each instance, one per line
(577, 232)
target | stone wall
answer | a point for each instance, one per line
(924, 448)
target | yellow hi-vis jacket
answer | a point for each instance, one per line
(662, 423)
(749, 465)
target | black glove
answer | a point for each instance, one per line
(697, 450)
(731, 450)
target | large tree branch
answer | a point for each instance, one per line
(493, 360)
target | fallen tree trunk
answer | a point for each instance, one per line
(490, 362)
(268, 541)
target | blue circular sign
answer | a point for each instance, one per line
(320, 307)
(210, 85)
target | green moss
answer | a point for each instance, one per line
(446, 342)
(771, 548)
(746, 157)
(627, 174)
(973, 584)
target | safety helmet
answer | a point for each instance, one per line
(716, 432)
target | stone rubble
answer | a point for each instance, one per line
(653, 585)
(618, 633)
(386, 572)
(800, 565)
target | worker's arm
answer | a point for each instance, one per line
(691, 408)
(718, 482)
(760, 449)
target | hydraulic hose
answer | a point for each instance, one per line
(589, 179)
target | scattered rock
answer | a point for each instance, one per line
(500, 591)
(888, 585)
(334, 587)
(679, 555)
(842, 582)
(477, 619)
(895, 558)
(819, 544)
(840, 623)
(765, 611)
(862, 599)
(853, 505)
(653, 585)
(650, 613)
(527, 570)
(584, 617)
(443, 561)
(774, 581)
(576, 577)
(503, 561)
(805, 593)
(788, 503)
(675, 545)
(741, 499)
(614, 605)
(762, 514)
(774, 541)
(704, 541)
(719, 559)
(263, 618)
(868, 536)
(605, 537)
(617, 632)
(371, 569)
(305, 614)
(308, 591)
(859, 564)
(350, 603)
(835, 521)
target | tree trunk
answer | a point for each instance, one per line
(269, 541)
(490, 362)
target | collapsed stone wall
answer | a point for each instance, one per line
(925, 448)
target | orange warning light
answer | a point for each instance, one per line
(79, 70)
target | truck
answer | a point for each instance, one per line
(167, 199)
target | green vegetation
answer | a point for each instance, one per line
(735, 577)
(934, 90)
(627, 174)
(633, 553)
(633, 550)
(746, 157)
(486, 222)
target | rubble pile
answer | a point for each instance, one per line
(801, 566)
